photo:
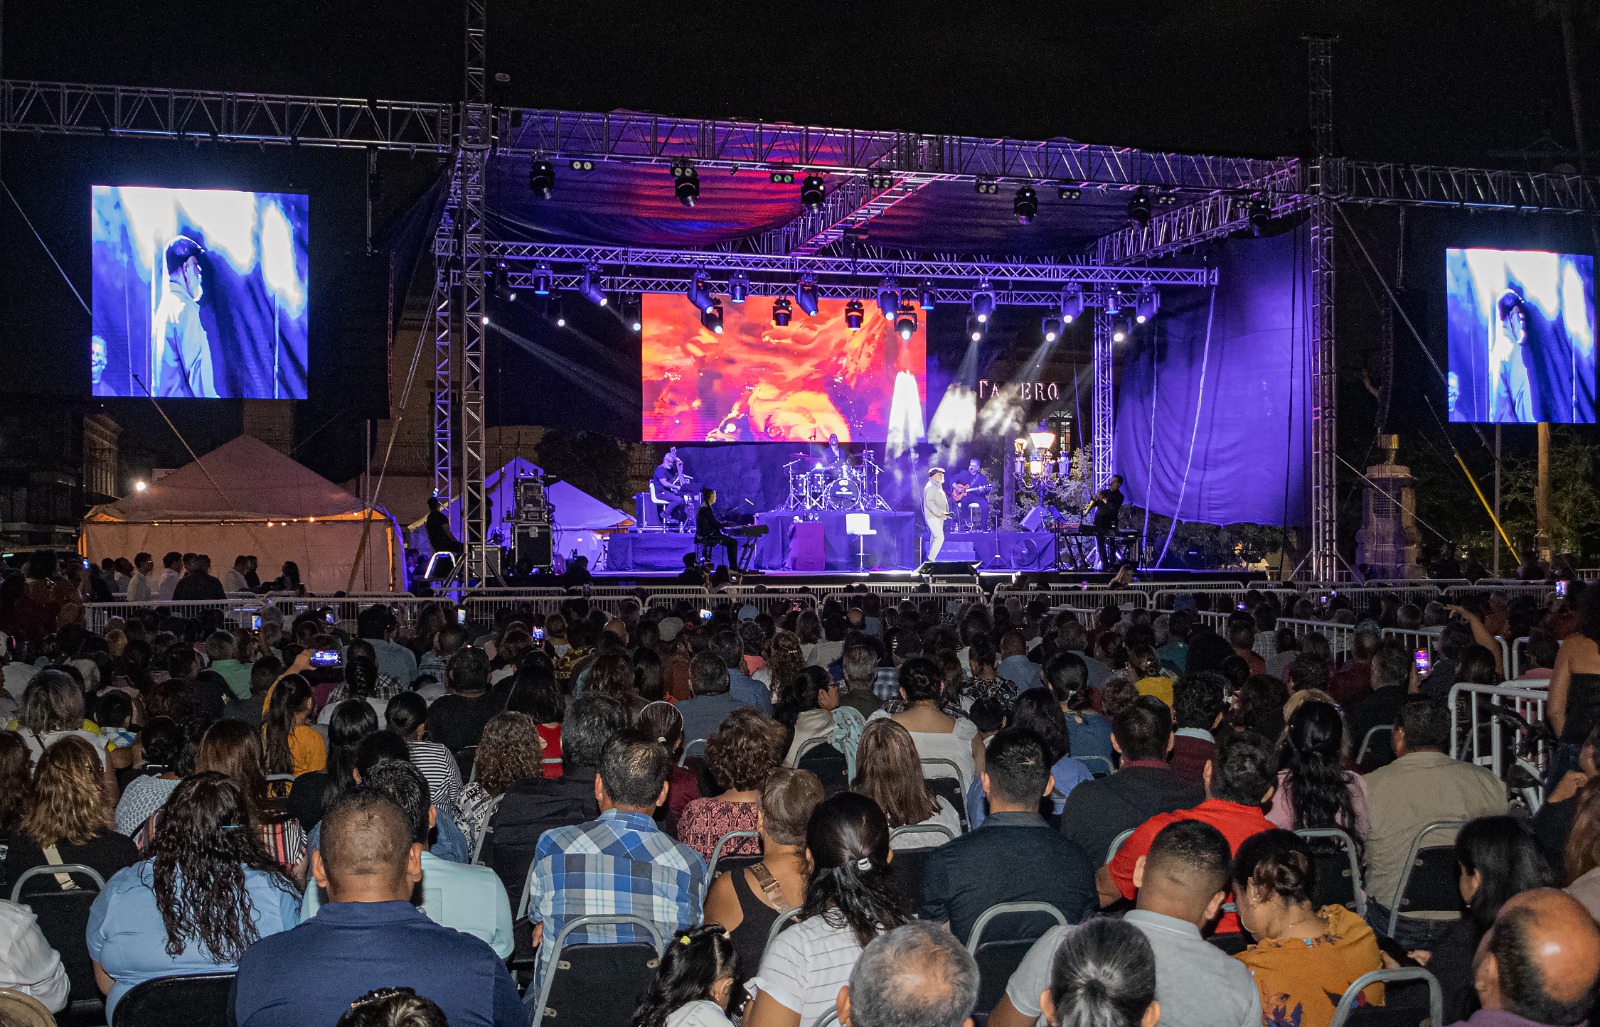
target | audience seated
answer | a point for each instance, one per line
(27, 962)
(744, 689)
(1067, 676)
(207, 893)
(915, 974)
(693, 983)
(456, 720)
(937, 734)
(1036, 710)
(960, 879)
(66, 819)
(233, 749)
(1182, 884)
(1239, 781)
(1314, 790)
(168, 757)
(620, 864)
(393, 1007)
(738, 757)
(466, 898)
(407, 716)
(852, 897)
(511, 751)
(1303, 957)
(1199, 702)
(888, 773)
(288, 744)
(808, 712)
(1538, 964)
(1393, 671)
(1423, 785)
(1144, 783)
(1103, 975)
(313, 793)
(369, 865)
(1580, 860)
(712, 702)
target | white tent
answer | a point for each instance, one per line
(247, 498)
(580, 521)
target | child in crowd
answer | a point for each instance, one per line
(693, 982)
(113, 711)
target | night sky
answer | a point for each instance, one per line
(1469, 81)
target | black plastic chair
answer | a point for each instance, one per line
(1395, 1011)
(1338, 869)
(63, 916)
(910, 866)
(1371, 746)
(1431, 882)
(820, 757)
(199, 1000)
(597, 985)
(722, 861)
(466, 756)
(998, 958)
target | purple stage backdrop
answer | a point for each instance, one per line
(1229, 418)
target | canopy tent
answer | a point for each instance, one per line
(578, 519)
(246, 497)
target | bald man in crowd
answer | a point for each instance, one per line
(915, 974)
(1538, 964)
(369, 935)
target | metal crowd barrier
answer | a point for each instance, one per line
(1484, 740)
(1341, 637)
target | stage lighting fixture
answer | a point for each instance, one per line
(983, 302)
(556, 312)
(782, 177)
(1051, 327)
(852, 315)
(500, 285)
(1026, 204)
(888, 298)
(879, 180)
(581, 165)
(1139, 208)
(738, 287)
(782, 312)
(711, 317)
(1113, 303)
(1068, 192)
(925, 296)
(700, 292)
(974, 328)
(685, 184)
(542, 179)
(1071, 303)
(1145, 305)
(542, 278)
(905, 321)
(986, 186)
(805, 295)
(1120, 329)
(1260, 215)
(813, 191)
(592, 289)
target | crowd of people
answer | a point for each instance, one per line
(814, 806)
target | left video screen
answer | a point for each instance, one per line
(199, 293)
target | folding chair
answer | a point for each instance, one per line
(827, 1019)
(730, 861)
(1096, 762)
(998, 959)
(466, 758)
(1116, 843)
(197, 1000)
(690, 750)
(1391, 1013)
(1431, 881)
(1338, 869)
(819, 756)
(63, 915)
(913, 829)
(950, 787)
(483, 831)
(1367, 745)
(597, 984)
(787, 917)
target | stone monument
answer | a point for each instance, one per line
(1386, 545)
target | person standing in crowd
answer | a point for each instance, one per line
(140, 588)
(369, 864)
(198, 583)
(171, 574)
(1573, 708)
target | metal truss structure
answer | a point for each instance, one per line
(1102, 443)
(1419, 185)
(1215, 216)
(849, 207)
(1324, 369)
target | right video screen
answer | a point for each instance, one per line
(1520, 331)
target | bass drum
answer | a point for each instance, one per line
(843, 495)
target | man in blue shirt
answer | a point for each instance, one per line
(619, 865)
(370, 936)
(712, 702)
(376, 625)
(467, 898)
(741, 686)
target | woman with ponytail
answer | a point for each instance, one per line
(1314, 790)
(851, 898)
(692, 983)
(1103, 975)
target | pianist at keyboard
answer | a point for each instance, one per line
(708, 531)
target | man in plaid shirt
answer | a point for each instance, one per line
(619, 864)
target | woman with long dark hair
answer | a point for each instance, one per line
(360, 682)
(1499, 858)
(785, 660)
(808, 710)
(208, 892)
(692, 983)
(1314, 790)
(1037, 710)
(851, 898)
(233, 749)
(534, 691)
(313, 794)
(288, 744)
(168, 756)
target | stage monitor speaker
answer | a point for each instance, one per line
(1033, 520)
(949, 569)
(533, 544)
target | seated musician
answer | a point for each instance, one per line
(833, 458)
(969, 498)
(669, 481)
(708, 530)
(1106, 507)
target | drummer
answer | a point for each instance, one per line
(833, 458)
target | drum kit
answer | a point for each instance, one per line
(850, 485)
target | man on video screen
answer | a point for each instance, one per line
(184, 367)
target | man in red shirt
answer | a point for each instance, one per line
(1242, 636)
(1239, 781)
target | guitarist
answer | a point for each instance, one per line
(969, 492)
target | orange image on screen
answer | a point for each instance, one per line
(757, 382)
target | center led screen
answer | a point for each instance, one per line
(757, 382)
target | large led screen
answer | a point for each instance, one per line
(1520, 330)
(758, 382)
(199, 293)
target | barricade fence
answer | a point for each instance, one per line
(1478, 737)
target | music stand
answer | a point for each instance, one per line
(859, 525)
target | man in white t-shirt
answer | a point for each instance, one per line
(171, 574)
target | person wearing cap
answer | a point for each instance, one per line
(935, 510)
(183, 351)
